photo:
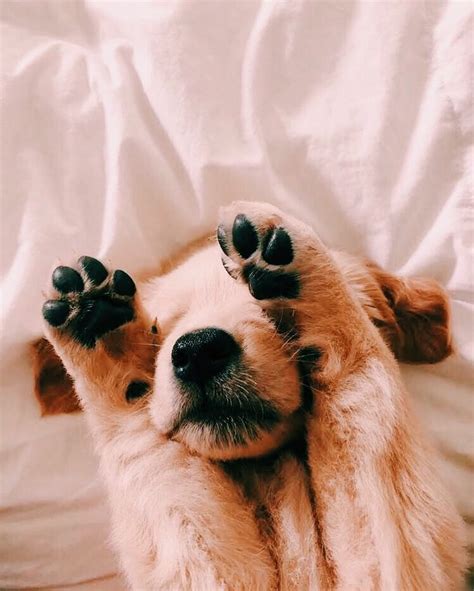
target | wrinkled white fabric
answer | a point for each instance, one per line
(125, 125)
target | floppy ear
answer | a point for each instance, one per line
(54, 388)
(422, 315)
(412, 315)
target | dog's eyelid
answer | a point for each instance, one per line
(136, 390)
(310, 355)
(284, 324)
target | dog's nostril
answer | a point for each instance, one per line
(202, 354)
(180, 357)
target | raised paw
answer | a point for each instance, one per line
(259, 245)
(89, 302)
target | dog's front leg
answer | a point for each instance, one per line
(382, 516)
(95, 322)
(178, 520)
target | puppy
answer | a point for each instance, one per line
(259, 435)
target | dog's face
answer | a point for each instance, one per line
(227, 377)
(228, 380)
(228, 374)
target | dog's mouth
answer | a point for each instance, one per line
(226, 412)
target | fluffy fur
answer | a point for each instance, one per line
(341, 494)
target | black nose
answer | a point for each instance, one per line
(202, 354)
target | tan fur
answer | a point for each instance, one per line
(412, 315)
(54, 388)
(347, 495)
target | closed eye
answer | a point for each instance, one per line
(136, 390)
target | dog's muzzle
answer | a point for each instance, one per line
(208, 365)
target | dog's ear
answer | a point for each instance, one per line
(421, 312)
(54, 388)
(412, 315)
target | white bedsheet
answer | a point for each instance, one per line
(125, 125)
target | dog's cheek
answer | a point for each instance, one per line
(274, 368)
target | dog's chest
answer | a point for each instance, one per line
(280, 492)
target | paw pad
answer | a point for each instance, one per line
(273, 244)
(94, 269)
(89, 304)
(123, 284)
(55, 312)
(67, 280)
(277, 248)
(244, 236)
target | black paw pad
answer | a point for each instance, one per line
(55, 312)
(88, 312)
(123, 284)
(67, 280)
(244, 236)
(136, 390)
(265, 284)
(93, 269)
(98, 317)
(277, 248)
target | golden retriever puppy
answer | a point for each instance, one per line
(258, 435)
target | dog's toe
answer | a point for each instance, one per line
(265, 284)
(56, 312)
(244, 236)
(258, 247)
(123, 284)
(93, 269)
(277, 248)
(67, 280)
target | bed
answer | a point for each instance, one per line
(126, 125)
